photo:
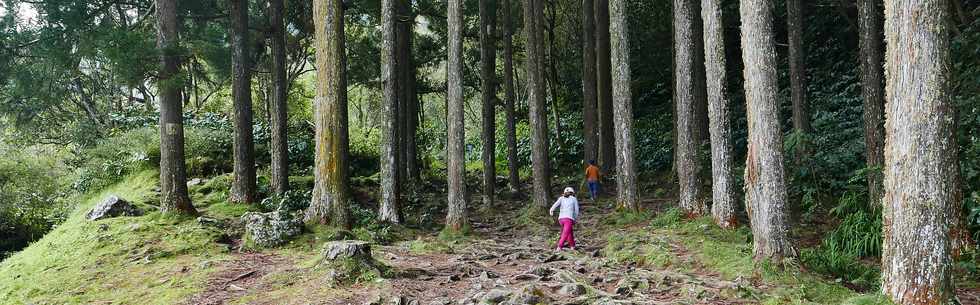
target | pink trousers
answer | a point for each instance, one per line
(567, 236)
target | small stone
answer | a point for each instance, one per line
(195, 181)
(527, 277)
(553, 258)
(208, 221)
(596, 253)
(541, 271)
(496, 296)
(487, 275)
(454, 278)
(572, 290)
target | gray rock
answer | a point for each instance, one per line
(530, 294)
(487, 275)
(496, 296)
(527, 277)
(208, 221)
(110, 207)
(347, 249)
(195, 181)
(271, 229)
(541, 271)
(440, 301)
(572, 290)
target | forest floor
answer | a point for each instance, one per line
(652, 257)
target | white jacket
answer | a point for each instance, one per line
(569, 208)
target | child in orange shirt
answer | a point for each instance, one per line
(592, 179)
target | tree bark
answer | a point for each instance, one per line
(388, 206)
(512, 163)
(922, 192)
(765, 186)
(607, 149)
(589, 107)
(723, 177)
(622, 106)
(537, 112)
(797, 68)
(408, 100)
(277, 106)
(872, 91)
(173, 172)
(488, 88)
(456, 217)
(701, 132)
(692, 198)
(243, 188)
(330, 187)
(552, 69)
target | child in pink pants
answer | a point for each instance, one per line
(567, 207)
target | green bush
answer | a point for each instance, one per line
(34, 196)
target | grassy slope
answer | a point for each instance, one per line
(728, 253)
(151, 258)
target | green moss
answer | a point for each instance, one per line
(122, 260)
(626, 218)
(428, 245)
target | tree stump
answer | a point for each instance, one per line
(350, 261)
(343, 249)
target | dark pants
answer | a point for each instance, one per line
(593, 189)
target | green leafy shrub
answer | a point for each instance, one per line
(34, 196)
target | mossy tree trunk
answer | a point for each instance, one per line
(765, 185)
(872, 91)
(456, 218)
(488, 88)
(921, 176)
(513, 167)
(243, 188)
(722, 174)
(278, 148)
(388, 205)
(173, 171)
(622, 106)
(537, 112)
(329, 204)
(692, 198)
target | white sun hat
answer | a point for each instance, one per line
(569, 190)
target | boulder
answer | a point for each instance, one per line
(530, 294)
(110, 207)
(271, 229)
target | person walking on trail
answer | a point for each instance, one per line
(567, 207)
(592, 180)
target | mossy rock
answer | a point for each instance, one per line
(350, 262)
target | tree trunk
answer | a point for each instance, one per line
(797, 69)
(692, 198)
(589, 112)
(537, 112)
(607, 149)
(701, 132)
(488, 87)
(243, 189)
(723, 178)
(456, 217)
(922, 192)
(512, 163)
(552, 71)
(872, 91)
(408, 104)
(388, 206)
(173, 173)
(765, 186)
(277, 105)
(622, 106)
(330, 187)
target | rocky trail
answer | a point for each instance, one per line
(503, 265)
